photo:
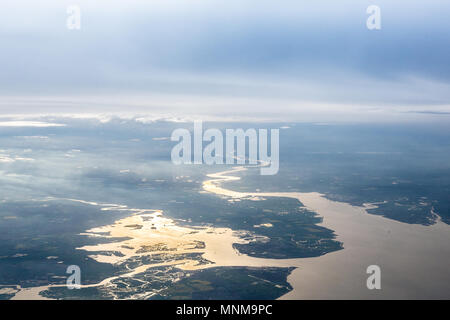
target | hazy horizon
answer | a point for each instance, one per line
(297, 61)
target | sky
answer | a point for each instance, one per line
(296, 60)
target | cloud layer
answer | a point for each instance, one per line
(285, 52)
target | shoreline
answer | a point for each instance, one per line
(406, 253)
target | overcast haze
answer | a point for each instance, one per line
(286, 59)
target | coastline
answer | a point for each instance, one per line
(406, 253)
